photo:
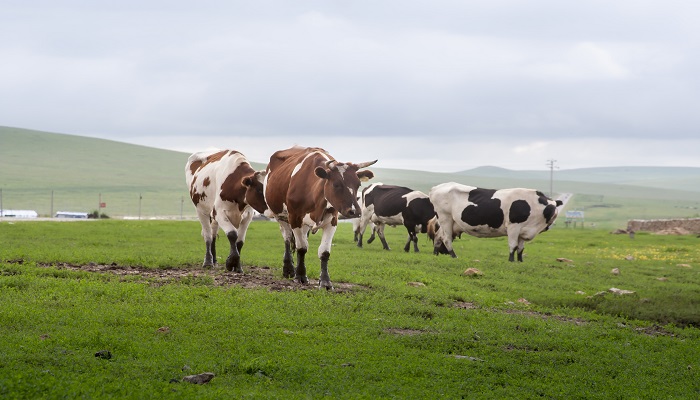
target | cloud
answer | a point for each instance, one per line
(444, 84)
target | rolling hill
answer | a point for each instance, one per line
(48, 172)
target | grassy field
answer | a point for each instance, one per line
(398, 325)
(50, 172)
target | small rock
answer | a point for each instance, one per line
(472, 272)
(523, 301)
(467, 358)
(629, 257)
(164, 329)
(564, 260)
(199, 379)
(580, 292)
(684, 265)
(416, 284)
(615, 271)
(103, 354)
(662, 279)
(620, 292)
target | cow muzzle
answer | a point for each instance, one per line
(352, 213)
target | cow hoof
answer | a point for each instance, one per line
(288, 271)
(234, 264)
(302, 279)
(327, 285)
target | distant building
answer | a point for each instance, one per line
(18, 213)
(71, 214)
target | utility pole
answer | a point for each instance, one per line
(140, 197)
(551, 165)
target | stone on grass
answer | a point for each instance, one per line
(472, 272)
(619, 292)
(199, 379)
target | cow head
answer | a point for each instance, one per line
(254, 194)
(341, 183)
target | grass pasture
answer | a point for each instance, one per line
(398, 325)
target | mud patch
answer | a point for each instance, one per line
(252, 278)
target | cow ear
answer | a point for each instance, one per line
(365, 175)
(321, 172)
(248, 181)
(560, 203)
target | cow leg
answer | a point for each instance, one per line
(324, 254)
(209, 238)
(515, 244)
(412, 237)
(302, 245)
(521, 249)
(287, 261)
(380, 233)
(325, 279)
(235, 225)
(288, 264)
(300, 275)
(233, 261)
(372, 236)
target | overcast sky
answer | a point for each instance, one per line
(430, 85)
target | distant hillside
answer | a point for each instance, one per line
(48, 172)
(675, 178)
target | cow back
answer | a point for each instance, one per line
(283, 165)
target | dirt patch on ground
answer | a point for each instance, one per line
(252, 278)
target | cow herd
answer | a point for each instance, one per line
(305, 189)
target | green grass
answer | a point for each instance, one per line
(453, 337)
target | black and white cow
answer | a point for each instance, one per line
(520, 214)
(394, 205)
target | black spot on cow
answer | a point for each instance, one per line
(519, 212)
(420, 211)
(542, 198)
(485, 210)
(387, 199)
(549, 212)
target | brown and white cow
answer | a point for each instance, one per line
(518, 213)
(305, 189)
(225, 190)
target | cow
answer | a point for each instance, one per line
(394, 205)
(305, 190)
(520, 214)
(225, 190)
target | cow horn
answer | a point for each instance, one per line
(366, 164)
